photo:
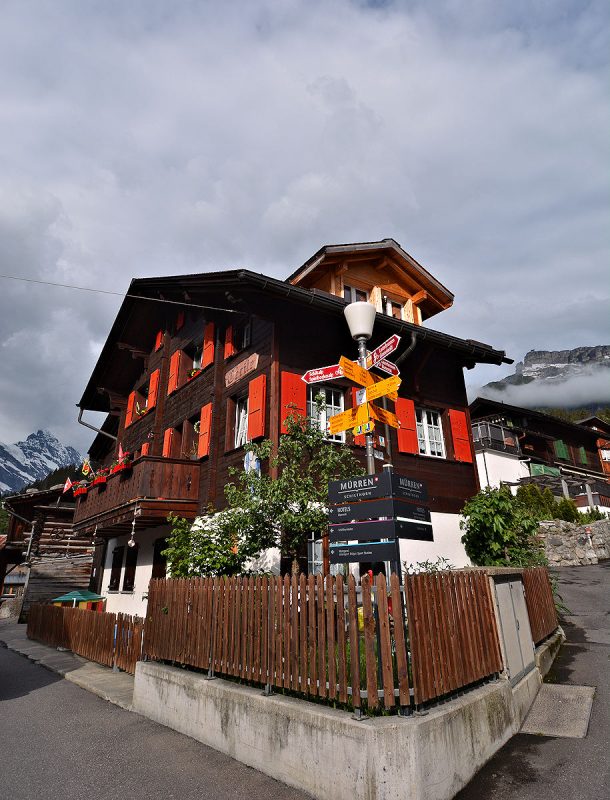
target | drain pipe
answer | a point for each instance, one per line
(384, 402)
(92, 427)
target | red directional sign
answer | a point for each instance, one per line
(387, 366)
(383, 350)
(322, 374)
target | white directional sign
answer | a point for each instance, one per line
(380, 353)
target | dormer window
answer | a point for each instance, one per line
(392, 308)
(354, 295)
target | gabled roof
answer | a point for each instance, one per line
(388, 247)
(236, 292)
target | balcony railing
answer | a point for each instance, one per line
(487, 435)
(151, 482)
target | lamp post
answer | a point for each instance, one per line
(360, 318)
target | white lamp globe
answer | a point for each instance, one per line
(360, 318)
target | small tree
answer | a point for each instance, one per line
(500, 531)
(266, 512)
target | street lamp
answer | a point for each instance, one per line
(360, 318)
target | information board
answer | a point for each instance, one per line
(373, 551)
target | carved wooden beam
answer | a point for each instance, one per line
(135, 351)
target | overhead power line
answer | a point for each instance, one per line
(120, 294)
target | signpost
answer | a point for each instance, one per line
(384, 507)
(322, 374)
(381, 415)
(373, 508)
(371, 551)
(348, 419)
(387, 366)
(375, 530)
(384, 388)
(379, 353)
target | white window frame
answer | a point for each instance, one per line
(240, 438)
(332, 407)
(605, 454)
(430, 433)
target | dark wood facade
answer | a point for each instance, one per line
(254, 340)
(544, 439)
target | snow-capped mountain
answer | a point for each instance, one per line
(28, 461)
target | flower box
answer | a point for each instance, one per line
(193, 374)
(80, 491)
(100, 480)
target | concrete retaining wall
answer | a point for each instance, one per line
(327, 753)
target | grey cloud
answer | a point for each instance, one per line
(591, 388)
(147, 138)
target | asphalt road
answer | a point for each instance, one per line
(545, 768)
(59, 742)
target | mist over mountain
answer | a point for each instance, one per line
(556, 379)
(24, 462)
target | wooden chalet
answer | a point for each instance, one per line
(41, 537)
(187, 384)
(518, 445)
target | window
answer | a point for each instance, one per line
(115, 570)
(353, 295)
(392, 309)
(315, 559)
(196, 352)
(131, 559)
(333, 404)
(242, 335)
(241, 422)
(605, 454)
(582, 455)
(561, 449)
(430, 433)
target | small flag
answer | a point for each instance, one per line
(86, 468)
(121, 452)
(67, 485)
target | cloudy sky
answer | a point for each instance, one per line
(156, 137)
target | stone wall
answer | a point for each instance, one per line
(570, 545)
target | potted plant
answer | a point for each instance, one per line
(100, 477)
(121, 464)
(192, 373)
(79, 489)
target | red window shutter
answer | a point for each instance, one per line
(158, 340)
(131, 408)
(293, 393)
(207, 357)
(180, 320)
(145, 449)
(229, 346)
(174, 368)
(407, 433)
(358, 440)
(257, 395)
(168, 441)
(461, 435)
(153, 389)
(205, 429)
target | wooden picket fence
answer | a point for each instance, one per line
(108, 639)
(328, 638)
(540, 602)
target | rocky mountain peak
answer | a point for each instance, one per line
(32, 459)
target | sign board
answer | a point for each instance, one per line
(240, 370)
(381, 415)
(379, 353)
(372, 551)
(355, 372)
(348, 419)
(368, 427)
(322, 374)
(391, 507)
(388, 387)
(386, 366)
(378, 454)
(373, 530)
(370, 487)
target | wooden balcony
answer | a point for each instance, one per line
(147, 492)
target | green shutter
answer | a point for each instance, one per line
(561, 449)
(582, 454)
